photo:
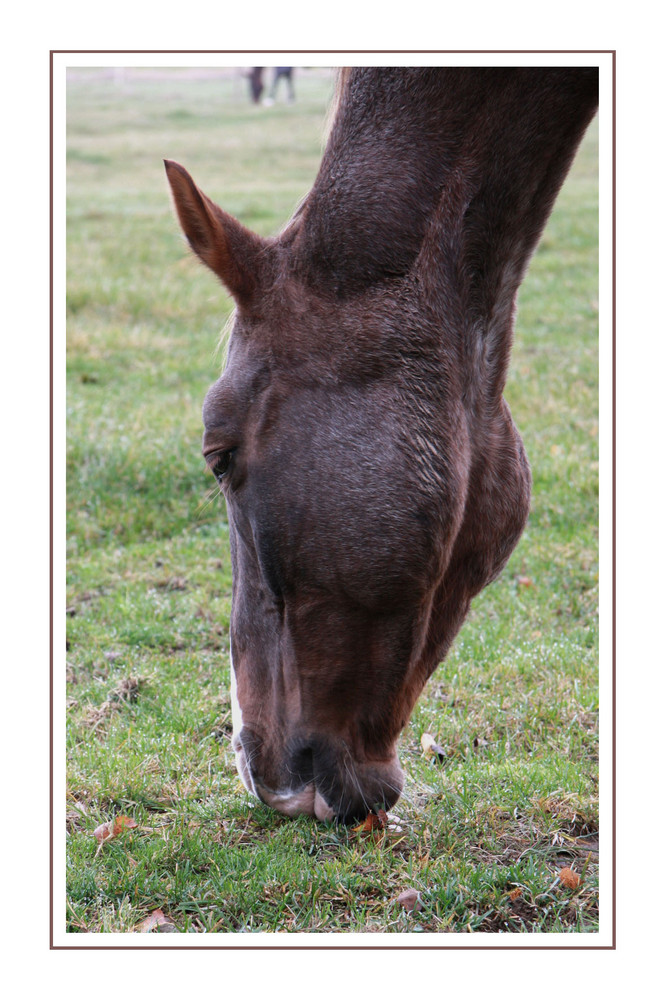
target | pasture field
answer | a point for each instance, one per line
(481, 835)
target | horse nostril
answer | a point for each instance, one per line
(301, 766)
(351, 790)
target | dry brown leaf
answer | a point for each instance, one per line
(373, 821)
(122, 823)
(410, 900)
(104, 831)
(515, 893)
(113, 828)
(524, 581)
(155, 921)
(569, 878)
(431, 748)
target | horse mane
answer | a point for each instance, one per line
(341, 83)
(444, 176)
(292, 225)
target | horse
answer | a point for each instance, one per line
(374, 479)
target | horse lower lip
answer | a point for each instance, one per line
(291, 803)
(322, 810)
(306, 801)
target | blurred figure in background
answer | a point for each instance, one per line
(282, 73)
(256, 76)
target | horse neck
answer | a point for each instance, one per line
(446, 174)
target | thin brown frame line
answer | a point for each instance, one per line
(349, 947)
(332, 947)
(416, 52)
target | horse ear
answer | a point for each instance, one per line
(230, 250)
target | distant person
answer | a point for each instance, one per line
(282, 73)
(256, 76)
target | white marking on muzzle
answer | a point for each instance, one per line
(291, 803)
(237, 724)
(307, 801)
(322, 810)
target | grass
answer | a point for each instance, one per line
(480, 836)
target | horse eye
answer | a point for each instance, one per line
(220, 467)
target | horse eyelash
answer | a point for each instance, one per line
(224, 459)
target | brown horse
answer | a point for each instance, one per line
(374, 479)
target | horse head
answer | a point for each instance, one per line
(374, 479)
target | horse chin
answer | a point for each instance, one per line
(322, 810)
(292, 802)
(354, 788)
(345, 794)
(308, 801)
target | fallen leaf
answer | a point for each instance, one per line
(373, 821)
(569, 878)
(524, 581)
(155, 921)
(515, 893)
(121, 823)
(431, 748)
(113, 828)
(410, 900)
(104, 831)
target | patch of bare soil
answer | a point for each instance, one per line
(571, 820)
(520, 913)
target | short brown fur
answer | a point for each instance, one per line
(374, 478)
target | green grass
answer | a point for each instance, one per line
(515, 706)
